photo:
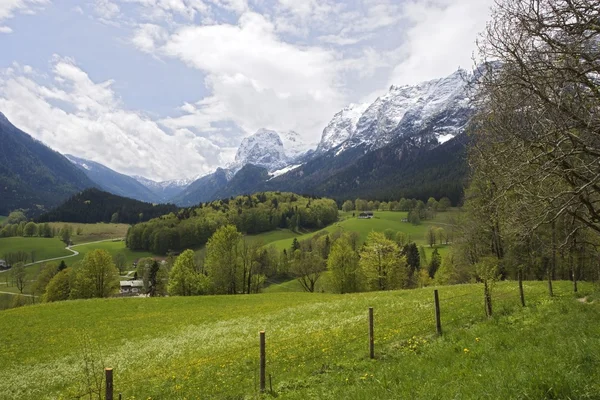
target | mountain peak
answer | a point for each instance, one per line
(264, 148)
(403, 110)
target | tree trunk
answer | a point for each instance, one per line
(487, 298)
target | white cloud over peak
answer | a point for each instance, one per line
(72, 111)
(256, 79)
(441, 38)
(226, 68)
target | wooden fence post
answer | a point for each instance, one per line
(109, 383)
(371, 334)
(521, 292)
(263, 361)
(438, 318)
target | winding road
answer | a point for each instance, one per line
(70, 248)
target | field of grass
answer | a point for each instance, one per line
(94, 232)
(317, 346)
(43, 248)
(382, 220)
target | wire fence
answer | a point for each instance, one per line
(314, 351)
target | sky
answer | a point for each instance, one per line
(167, 89)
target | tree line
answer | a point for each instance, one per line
(94, 205)
(250, 214)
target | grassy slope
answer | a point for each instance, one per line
(316, 345)
(383, 220)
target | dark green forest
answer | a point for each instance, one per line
(94, 205)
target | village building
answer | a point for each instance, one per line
(131, 288)
(365, 215)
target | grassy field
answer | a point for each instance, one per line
(317, 346)
(383, 220)
(94, 232)
(43, 248)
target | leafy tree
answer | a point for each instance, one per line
(382, 264)
(348, 206)
(295, 245)
(401, 239)
(15, 217)
(222, 251)
(183, 279)
(430, 236)
(389, 234)
(65, 234)
(30, 229)
(20, 276)
(59, 287)
(414, 218)
(413, 258)
(120, 259)
(343, 264)
(97, 276)
(360, 205)
(47, 272)
(444, 204)
(307, 267)
(435, 263)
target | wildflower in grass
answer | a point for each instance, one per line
(466, 350)
(477, 339)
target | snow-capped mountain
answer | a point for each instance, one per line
(294, 146)
(166, 190)
(264, 148)
(403, 110)
(341, 127)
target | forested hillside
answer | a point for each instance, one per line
(94, 205)
(261, 212)
(33, 176)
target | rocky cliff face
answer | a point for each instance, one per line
(436, 106)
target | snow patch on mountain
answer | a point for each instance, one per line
(284, 170)
(293, 145)
(341, 127)
(174, 183)
(437, 106)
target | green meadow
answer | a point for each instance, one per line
(381, 221)
(317, 346)
(43, 248)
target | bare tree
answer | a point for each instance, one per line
(538, 132)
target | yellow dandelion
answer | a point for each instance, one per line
(477, 339)
(466, 350)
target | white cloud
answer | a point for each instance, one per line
(256, 79)
(106, 9)
(441, 38)
(8, 8)
(92, 123)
